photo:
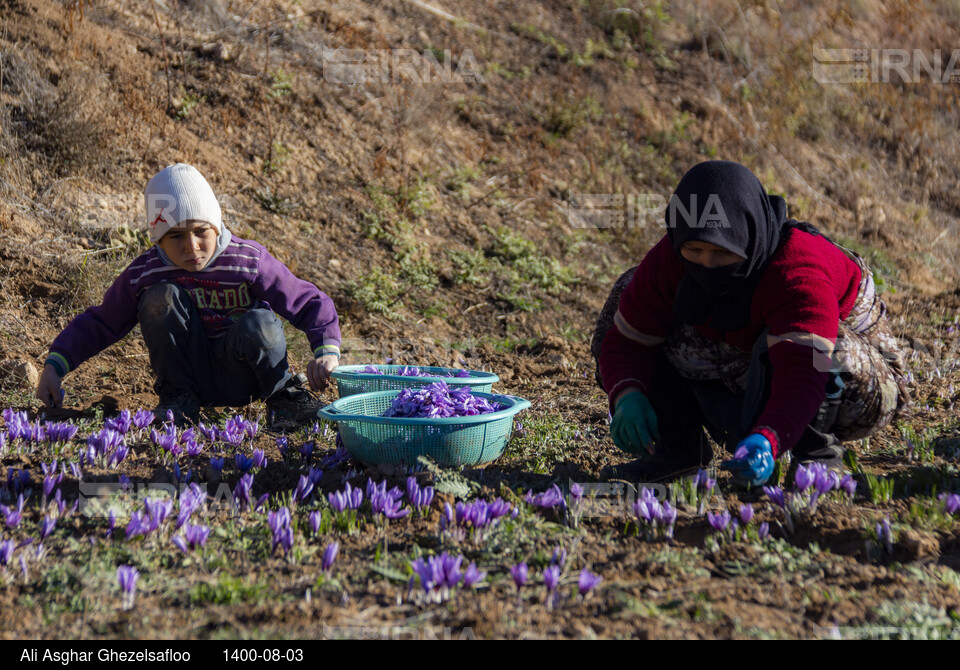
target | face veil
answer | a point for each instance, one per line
(723, 203)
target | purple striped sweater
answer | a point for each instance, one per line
(242, 277)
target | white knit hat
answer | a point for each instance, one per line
(176, 194)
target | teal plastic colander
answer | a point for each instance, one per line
(450, 442)
(350, 380)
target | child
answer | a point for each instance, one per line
(207, 305)
(757, 328)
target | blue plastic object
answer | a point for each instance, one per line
(450, 442)
(351, 380)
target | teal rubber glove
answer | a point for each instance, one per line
(634, 425)
(752, 462)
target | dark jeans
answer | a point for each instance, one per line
(685, 407)
(248, 362)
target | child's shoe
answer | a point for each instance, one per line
(293, 406)
(184, 405)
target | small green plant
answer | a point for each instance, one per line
(227, 590)
(379, 291)
(281, 84)
(278, 156)
(188, 101)
(274, 202)
(879, 489)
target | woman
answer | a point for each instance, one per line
(755, 327)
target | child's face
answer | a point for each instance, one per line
(709, 255)
(190, 245)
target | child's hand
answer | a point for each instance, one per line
(319, 369)
(48, 390)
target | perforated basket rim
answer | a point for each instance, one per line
(353, 373)
(514, 404)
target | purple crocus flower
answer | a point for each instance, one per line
(719, 521)
(519, 574)
(216, 463)
(746, 514)
(195, 535)
(315, 519)
(279, 523)
(46, 527)
(776, 495)
(111, 524)
(121, 423)
(576, 492)
(143, 418)
(552, 497)
(259, 458)
(951, 502)
(242, 491)
(329, 556)
(849, 484)
(472, 576)
(303, 490)
(763, 530)
(50, 482)
(139, 525)
(306, 450)
(559, 557)
(551, 577)
(588, 581)
(6, 552)
(314, 475)
(283, 445)
(804, 478)
(127, 577)
(243, 462)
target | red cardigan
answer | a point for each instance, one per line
(807, 289)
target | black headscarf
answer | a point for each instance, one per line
(723, 203)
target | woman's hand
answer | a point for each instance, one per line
(634, 426)
(48, 390)
(319, 369)
(752, 462)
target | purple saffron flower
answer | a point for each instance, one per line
(121, 423)
(472, 576)
(46, 527)
(576, 492)
(719, 521)
(951, 502)
(242, 491)
(303, 490)
(259, 458)
(588, 582)
(314, 475)
(776, 495)
(551, 577)
(804, 478)
(329, 556)
(519, 574)
(127, 577)
(315, 519)
(6, 552)
(746, 514)
(244, 463)
(111, 524)
(763, 530)
(279, 523)
(283, 445)
(216, 463)
(849, 484)
(306, 450)
(142, 418)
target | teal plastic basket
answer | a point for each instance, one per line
(350, 380)
(450, 442)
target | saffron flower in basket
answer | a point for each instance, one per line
(438, 401)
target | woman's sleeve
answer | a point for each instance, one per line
(803, 322)
(641, 323)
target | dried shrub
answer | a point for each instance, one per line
(62, 119)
